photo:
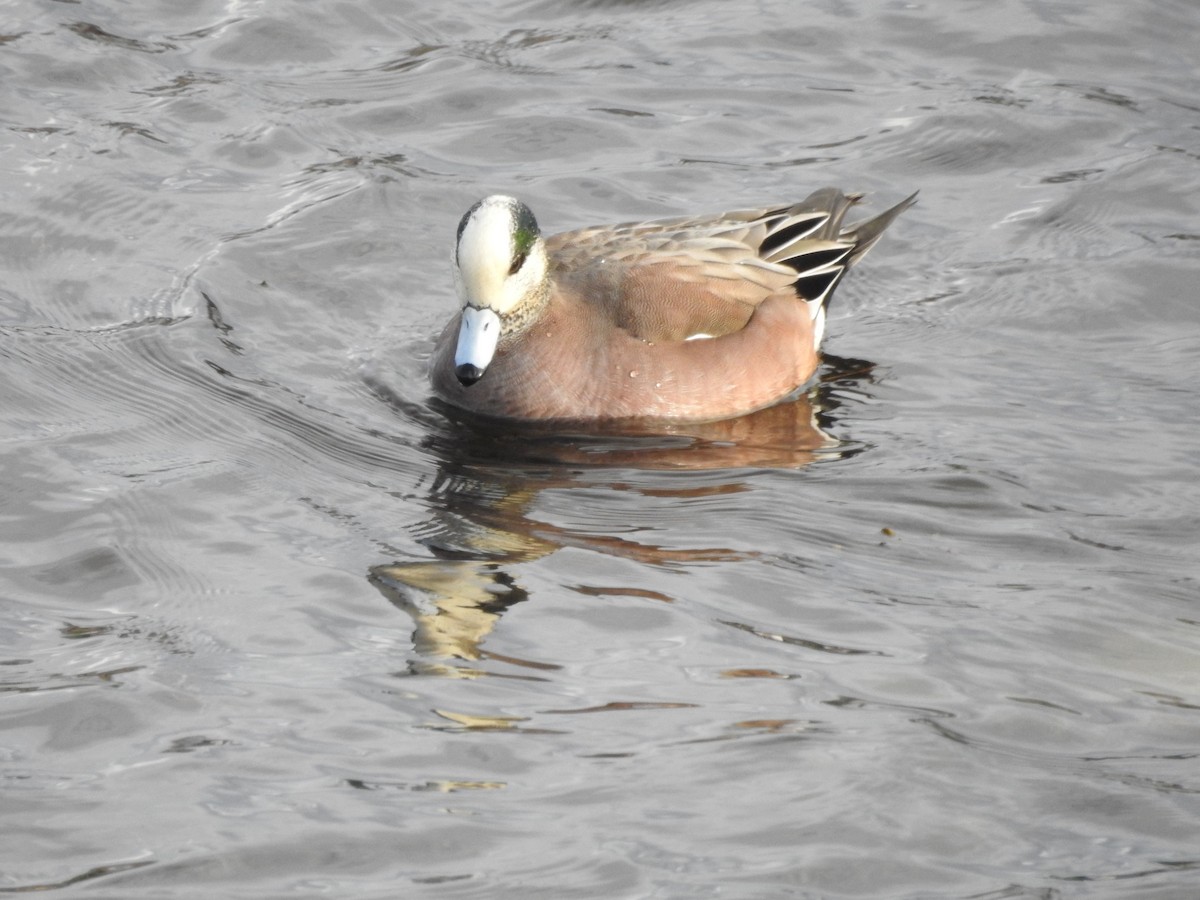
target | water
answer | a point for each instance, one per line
(274, 626)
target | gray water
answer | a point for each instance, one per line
(274, 626)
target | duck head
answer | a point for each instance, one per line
(501, 273)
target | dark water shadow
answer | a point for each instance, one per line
(489, 475)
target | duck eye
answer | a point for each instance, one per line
(518, 261)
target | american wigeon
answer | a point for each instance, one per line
(696, 319)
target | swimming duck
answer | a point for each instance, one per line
(686, 319)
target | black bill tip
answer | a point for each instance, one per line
(467, 374)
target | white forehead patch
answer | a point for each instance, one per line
(485, 252)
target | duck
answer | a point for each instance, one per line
(691, 319)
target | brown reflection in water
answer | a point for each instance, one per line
(753, 673)
(490, 474)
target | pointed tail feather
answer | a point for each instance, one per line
(865, 234)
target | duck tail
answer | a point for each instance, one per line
(810, 239)
(865, 234)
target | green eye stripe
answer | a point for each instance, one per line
(525, 234)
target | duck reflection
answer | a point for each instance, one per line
(489, 476)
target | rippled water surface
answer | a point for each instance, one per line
(272, 625)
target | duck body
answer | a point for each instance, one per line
(691, 319)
